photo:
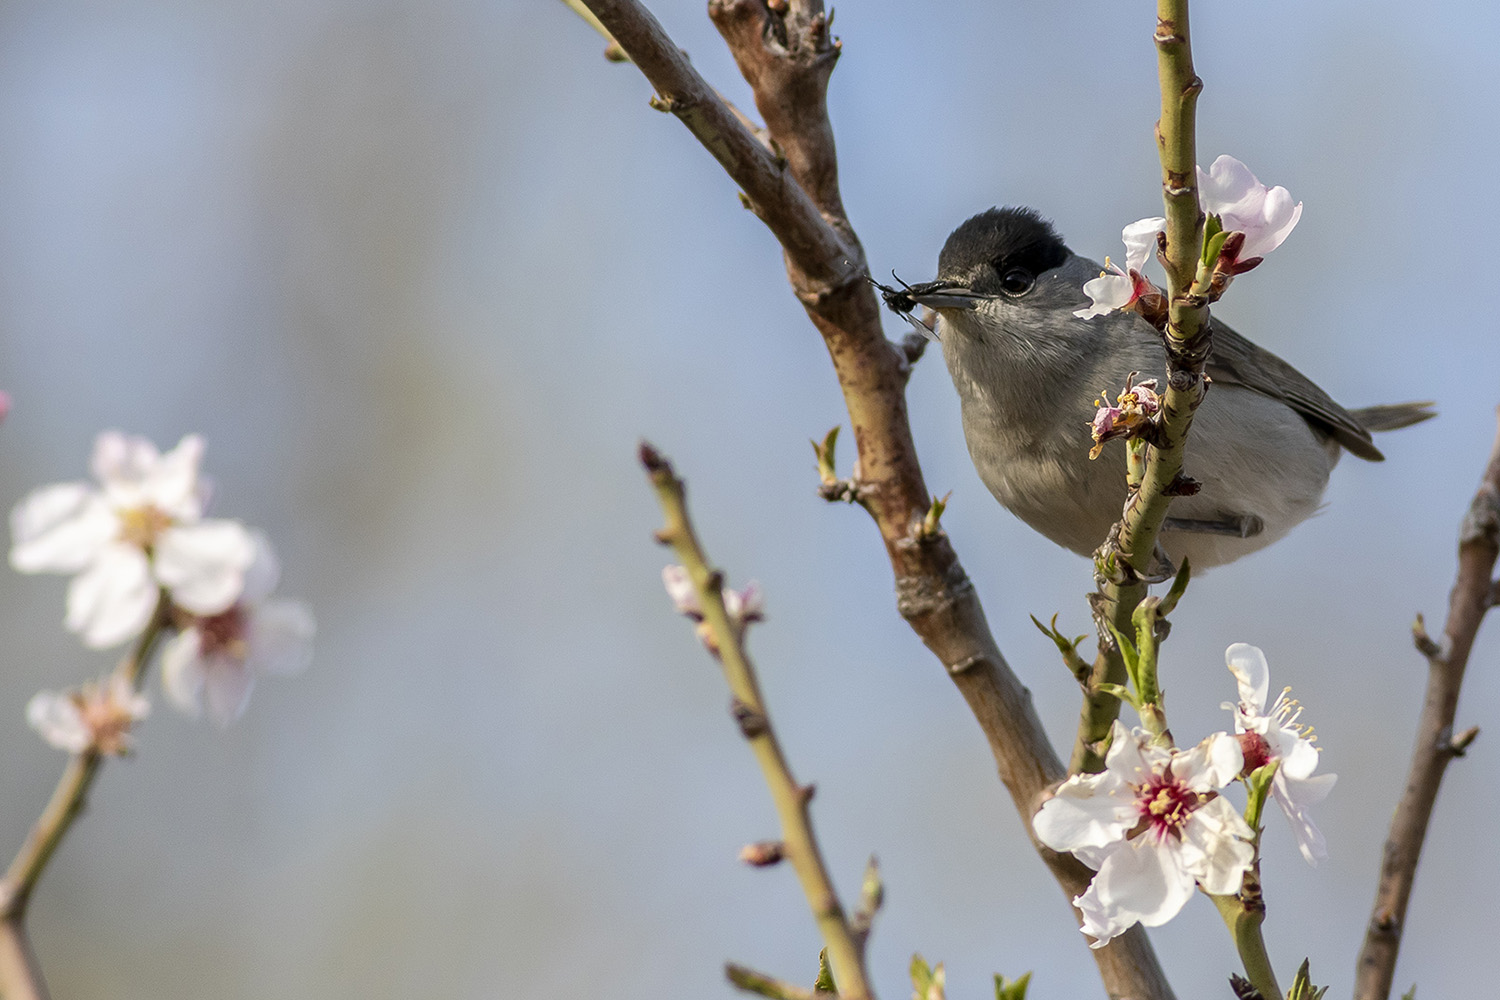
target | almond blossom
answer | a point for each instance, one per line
(1118, 288)
(1133, 409)
(1274, 736)
(97, 716)
(1152, 826)
(743, 606)
(214, 660)
(142, 529)
(1244, 205)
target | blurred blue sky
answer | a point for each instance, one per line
(424, 274)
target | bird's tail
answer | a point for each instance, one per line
(1393, 416)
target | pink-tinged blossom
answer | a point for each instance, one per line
(141, 529)
(1133, 409)
(1152, 826)
(743, 606)
(1273, 735)
(1121, 288)
(1244, 205)
(213, 662)
(97, 716)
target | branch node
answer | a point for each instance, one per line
(1426, 644)
(752, 721)
(1459, 744)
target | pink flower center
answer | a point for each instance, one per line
(1165, 804)
(223, 633)
(1256, 750)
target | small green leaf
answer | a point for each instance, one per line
(825, 974)
(1302, 987)
(1179, 587)
(1011, 989)
(927, 982)
(824, 453)
(1410, 994)
(1213, 226)
(1211, 248)
(1257, 787)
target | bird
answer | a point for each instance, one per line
(1028, 372)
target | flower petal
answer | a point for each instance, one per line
(59, 529)
(1248, 664)
(1294, 797)
(171, 483)
(204, 564)
(227, 683)
(681, 590)
(1142, 882)
(182, 671)
(279, 635)
(1216, 846)
(1140, 241)
(1089, 810)
(112, 600)
(1213, 763)
(1107, 293)
(264, 571)
(55, 716)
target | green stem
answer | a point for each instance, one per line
(68, 797)
(1244, 920)
(845, 950)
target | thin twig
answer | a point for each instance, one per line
(825, 266)
(20, 976)
(845, 951)
(1128, 554)
(751, 981)
(1478, 547)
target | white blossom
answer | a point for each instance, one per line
(1243, 204)
(141, 529)
(742, 606)
(1152, 826)
(97, 716)
(1120, 288)
(214, 660)
(1274, 735)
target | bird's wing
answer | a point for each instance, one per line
(1236, 361)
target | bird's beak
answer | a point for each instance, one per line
(941, 295)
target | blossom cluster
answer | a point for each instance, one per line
(1154, 824)
(1257, 218)
(742, 606)
(144, 557)
(1131, 411)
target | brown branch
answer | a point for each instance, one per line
(1478, 547)
(787, 56)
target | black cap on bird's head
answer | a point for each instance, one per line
(1003, 238)
(999, 252)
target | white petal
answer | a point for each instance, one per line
(59, 529)
(681, 590)
(171, 485)
(279, 635)
(264, 571)
(1299, 760)
(55, 717)
(1216, 846)
(182, 671)
(1229, 188)
(1088, 811)
(1142, 882)
(1211, 764)
(1277, 218)
(204, 564)
(1248, 664)
(112, 600)
(1294, 797)
(122, 464)
(1108, 292)
(1140, 241)
(226, 688)
(1128, 757)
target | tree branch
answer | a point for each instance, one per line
(1478, 547)
(845, 948)
(825, 266)
(1126, 557)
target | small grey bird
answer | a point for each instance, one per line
(1028, 371)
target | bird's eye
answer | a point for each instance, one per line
(1017, 281)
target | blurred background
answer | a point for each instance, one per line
(424, 273)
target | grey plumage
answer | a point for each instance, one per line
(1028, 371)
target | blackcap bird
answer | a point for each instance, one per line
(1028, 371)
